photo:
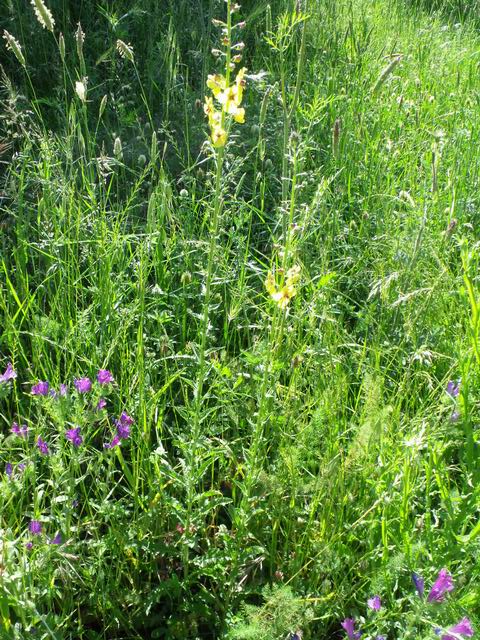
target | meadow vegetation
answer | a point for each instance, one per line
(239, 345)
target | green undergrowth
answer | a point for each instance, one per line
(284, 464)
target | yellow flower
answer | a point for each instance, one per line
(239, 116)
(240, 84)
(216, 83)
(283, 296)
(219, 137)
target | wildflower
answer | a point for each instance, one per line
(442, 585)
(19, 431)
(374, 603)
(41, 388)
(125, 50)
(63, 390)
(9, 469)
(81, 90)
(349, 625)
(101, 404)
(42, 446)
(74, 436)
(44, 15)
(21, 467)
(83, 385)
(104, 376)
(29, 546)
(9, 374)
(453, 388)
(462, 628)
(35, 527)
(57, 539)
(115, 441)
(455, 417)
(419, 583)
(216, 83)
(283, 296)
(123, 425)
(14, 46)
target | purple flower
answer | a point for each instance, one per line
(19, 431)
(113, 443)
(40, 389)
(349, 625)
(83, 385)
(374, 603)
(74, 436)
(22, 466)
(101, 404)
(104, 376)
(57, 539)
(381, 638)
(75, 503)
(42, 446)
(9, 374)
(442, 585)
(35, 527)
(419, 583)
(9, 469)
(29, 546)
(123, 425)
(453, 388)
(463, 628)
(455, 417)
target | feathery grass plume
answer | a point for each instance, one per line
(44, 15)
(125, 50)
(103, 104)
(61, 46)
(80, 39)
(81, 89)
(385, 73)
(117, 149)
(14, 46)
(336, 137)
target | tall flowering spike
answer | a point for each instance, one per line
(375, 603)
(35, 527)
(44, 15)
(14, 46)
(462, 628)
(349, 625)
(442, 585)
(125, 50)
(41, 388)
(79, 39)
(419, 583)
(74, 436)
(42, 446)
(104, 376)
(83, 385)
(8, 374)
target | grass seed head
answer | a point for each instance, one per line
(14, 46)
(44, 15)
(125, 50)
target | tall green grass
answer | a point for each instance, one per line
(316, 463)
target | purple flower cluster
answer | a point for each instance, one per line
(19, 431)
(123, 430)
(42, 388)
(74, 436)
(35, 528)
(8, 374)
(442, 585)
(453, 390)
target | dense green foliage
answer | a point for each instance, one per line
(284, 464)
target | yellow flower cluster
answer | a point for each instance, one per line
(283, 295)
(230, 97)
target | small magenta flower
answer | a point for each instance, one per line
(123, 425)
(375, 603)
(462, 628)
(455, 417)
(115, 442)
(104, 376)
(57, 539)
(19, 431)
(21, 467)
(8, 374)
(349, 625)
(74, 436)
(29, 546)
(63, 390)
(42, 446)
(35, 527)
(101, 404)
(83, 385)
(41, 388)
(419, 583)
(453, 388)
(9, 469)
(442, 585)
